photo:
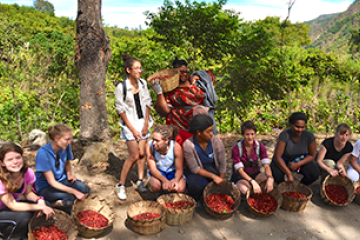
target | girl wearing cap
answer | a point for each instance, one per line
(295, 151)
(204, 155)
(165, 161)
(334, 152)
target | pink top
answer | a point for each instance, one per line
(29, 178)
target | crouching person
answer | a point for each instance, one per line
(165, 161)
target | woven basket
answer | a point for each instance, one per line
(357, 196)
(295, 204)
(275, 193)
(97, 204)
(338, 180)
(227, 188)
(175, 217)
(146, 226)
(61, 219)
(168, 84)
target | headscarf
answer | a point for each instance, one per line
(200, 122)
(205, 83)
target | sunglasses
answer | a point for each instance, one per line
(57, 161)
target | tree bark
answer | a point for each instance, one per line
(92, 56)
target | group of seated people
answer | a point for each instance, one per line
(183, 156)
(52, 184)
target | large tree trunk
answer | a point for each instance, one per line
(92, 56)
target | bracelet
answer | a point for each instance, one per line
(177, 179)
(40, 198)
(269, 176)
(251, 180)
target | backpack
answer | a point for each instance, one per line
(257, 150)
(125, 89)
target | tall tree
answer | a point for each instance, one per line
(44, 6)
(92, 56)
(207, 28)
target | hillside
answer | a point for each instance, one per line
(331, 32)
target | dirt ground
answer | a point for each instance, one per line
(319, 220)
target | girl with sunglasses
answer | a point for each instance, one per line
(133, 103)
(54, 180)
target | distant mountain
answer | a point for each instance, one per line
(331, 32)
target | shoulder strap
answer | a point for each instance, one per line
(240, 148)
(124, 90)
(257, 148)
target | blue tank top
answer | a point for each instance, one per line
(165, 163)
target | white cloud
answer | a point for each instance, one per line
(302, 10)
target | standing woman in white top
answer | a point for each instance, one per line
(133, 102)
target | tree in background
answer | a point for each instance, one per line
(44, 6)
(92, 56)
(207, 28)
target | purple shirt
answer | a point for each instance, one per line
(243, 161)
(29, 178)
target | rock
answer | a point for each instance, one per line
(35, 139)
(97, 152)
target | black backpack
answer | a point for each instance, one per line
(125, 89)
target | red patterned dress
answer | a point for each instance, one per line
(183, 100)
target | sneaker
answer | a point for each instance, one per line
(120, 191)
(141, 186)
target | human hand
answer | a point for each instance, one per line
(48, 211)
(256, 187)
(145, 130)
(342, 172)
(290, 178)
(136, 135)
(334, 173)
(79, 195)
(293, 166)
(166, 185)
(71, 178)
(156, 85)
(218, 180)
(174, 185)
(269, 184)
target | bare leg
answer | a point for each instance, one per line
(141, 161)
(261, 177)
(154, 184)
(243, 186)
(133, 149)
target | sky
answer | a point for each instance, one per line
(129, 13)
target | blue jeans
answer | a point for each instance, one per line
(52, 194)
(22, 220)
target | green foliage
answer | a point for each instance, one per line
(44, 6)
(207, 28)
(263, 73)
